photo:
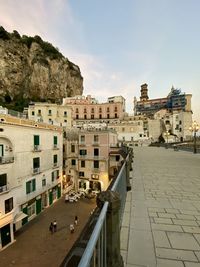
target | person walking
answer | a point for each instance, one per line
(71, 228)
(51, 228)
(55, 225)
(76, 220)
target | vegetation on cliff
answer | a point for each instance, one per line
(34, 70)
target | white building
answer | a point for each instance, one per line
(30, 172)
(51, 114)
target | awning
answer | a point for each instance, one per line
(19, 216)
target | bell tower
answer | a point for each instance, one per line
(144, 92)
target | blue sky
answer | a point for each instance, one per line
(119, 45)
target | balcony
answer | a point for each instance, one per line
(95, 143)
(6, 160)
(36, 170)
(55, 146)
(4, 188)
(55, 164)
(36, 148)
(82, 143)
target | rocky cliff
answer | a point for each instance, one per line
(34, 70)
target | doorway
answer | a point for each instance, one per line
(5, 235)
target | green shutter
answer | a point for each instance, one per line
(25, 220)
(28, 187)
(50, 198)
(36, 140)
(58, 191)
(38, 206)
(55, 140)
(33, 185)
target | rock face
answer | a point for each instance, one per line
(31, 69)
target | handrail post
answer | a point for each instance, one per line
(114, 259)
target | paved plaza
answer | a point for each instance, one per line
(36, 246)
(161, 224)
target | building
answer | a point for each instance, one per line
(51, 113)
(87, 163)
(175, 101)
(131, 130)
(87, 109)
(30, 172)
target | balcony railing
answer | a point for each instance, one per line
(6, 160)
(55, 146)
(36, 148)
(99, 252)
(55, 164)
(4, 188)
(36, 170)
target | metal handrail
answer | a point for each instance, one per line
(87, 255)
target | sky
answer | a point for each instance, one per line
(117, 44)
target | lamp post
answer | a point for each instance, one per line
(194, 129)
(167, 133)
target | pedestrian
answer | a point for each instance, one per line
(71, 228)
(51, 227)
(55, 225)
(76, 220)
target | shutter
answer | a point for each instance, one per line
(36, 140)
(28, 189)
(33, 185)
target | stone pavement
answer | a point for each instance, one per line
(161, 223)
(36, 246)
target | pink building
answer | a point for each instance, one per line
(87, 109)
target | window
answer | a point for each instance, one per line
(96, 164)
(72, 148)
(82, 163)
(55, 140)
(85, 117)
(108, 109)
(77, 117)
(55, 159)
(115, 115)
(115, 109)
(96, 152)
(8, 204)
(30, 186)
(36, 165)
(85, 111)
(117, 158)
(131, 138)
(76, 110)
(100, 116)
(39, 112)
(81, 174)
(52, 176)
(49, 112)
(180, 122)
(180, 130)
(100, 110)
(50, 121)
(65, 113)
(44, 182)
(3, 181)
(73, 162)
(92, 110)
(96, 138)
(33, 113)
(92, 116)
(108, 116)
(82, 138)
(83, 152)
(36, 140)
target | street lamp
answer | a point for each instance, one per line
(167, 133)
(194, 129)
